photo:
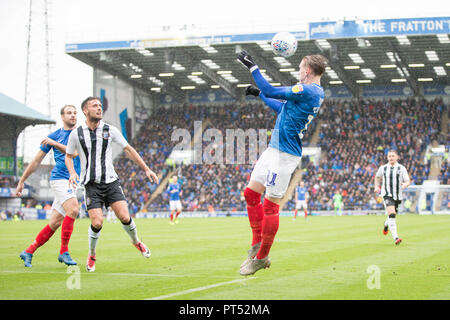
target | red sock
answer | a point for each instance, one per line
(171, 216)
(177, 214)
(41, 238)
(306, 213)
(270, 225)
(66, 232)
(255, 213)
(295, 213)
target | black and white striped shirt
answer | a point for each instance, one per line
(95, 150)
(393, 177)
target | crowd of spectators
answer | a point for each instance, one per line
(354, 137)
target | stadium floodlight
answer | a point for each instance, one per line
(440, 71)
(364, 81)
(356, 57)
(136, 76)
(282, 61)
(157, 89)
(224, 72)
(398, 80)
(324, 44)
(335, 82)
(443, 38)
(351, 67)
(208, 48)
(432, 55)
(368, 73)
(388, 66)
(275, 84)
(215, 86)
(448, 64)
(166, 74)
(210, 64)
(287, 69)
(264, 45)
(425, 79)
(196, 73)
(187, 87)
(416, 65)
(403, 40)
(331, 73)
(243, 85)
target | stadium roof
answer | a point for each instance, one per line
(356, 59)
(13, 108)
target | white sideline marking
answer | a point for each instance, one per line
(197, 289)
(100, 273)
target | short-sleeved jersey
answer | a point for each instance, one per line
(60, 170)
(301, 107)
(393, 177)
(301, 193)
(95, 150)
(174, 190)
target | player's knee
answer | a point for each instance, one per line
(252, 198)
(54, 225)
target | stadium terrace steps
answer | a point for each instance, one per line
(315, 137)
(163, 184)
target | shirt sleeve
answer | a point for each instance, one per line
(72, 143)
(118, 137)
(405, 175)
(379, 172)
(274, 104)
(46, 147)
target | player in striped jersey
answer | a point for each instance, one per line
(93, 141)
(391, 179)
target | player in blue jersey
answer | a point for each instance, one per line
(174, 190)
(301, 199)
(65, 204)
(296, 107)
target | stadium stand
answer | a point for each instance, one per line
(354, 136)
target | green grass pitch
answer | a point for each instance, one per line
(321, 258)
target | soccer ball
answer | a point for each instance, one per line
(284, 44)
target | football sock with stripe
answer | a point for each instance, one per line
(255, 213)
(42, 237)
(131, 229)
(66, 233)
(94, 235)
(270, 226)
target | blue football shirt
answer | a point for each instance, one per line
(60, 170)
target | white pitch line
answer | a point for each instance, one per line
(197, 289)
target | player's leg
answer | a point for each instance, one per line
(305, 208)
(43, 236)
(280, 169)
(96, 216)
(120, 208)
(255, 212)
(69, 209)
(172, 210)
(178, 210)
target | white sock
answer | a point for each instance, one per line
(131, 229)
(393, 228)
(93, 238)
(386, 222)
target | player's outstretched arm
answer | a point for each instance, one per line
(62, 148)
(29, 170)
(267, 89)
(133, 155)
(274, 104)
